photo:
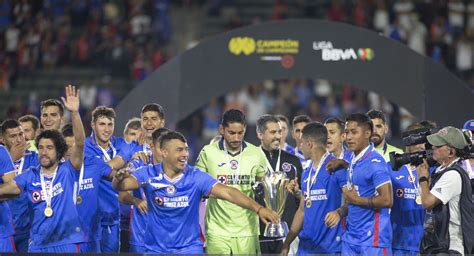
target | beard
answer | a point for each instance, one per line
(376, 139)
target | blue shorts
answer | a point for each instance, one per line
(21, 242)
(7, 244)
(188, 250)
(400, 252)
(352, 249)
(91, 247)
(67, 248)
(110, 241)
(137, 248)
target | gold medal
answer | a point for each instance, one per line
(418, 199)
(308, 203)
(48, 212)
(79, 200)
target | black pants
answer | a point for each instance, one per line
(272, 247)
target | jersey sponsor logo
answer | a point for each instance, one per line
(286, 167)
(318, 194)
(36, 196)
(438, 190)
(87, 184)
(158, 200)
(175, 202)
(399, 177)
(222, 179)
(234, 164)
(399, 192)
(406, 193)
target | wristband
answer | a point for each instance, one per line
(422, 178)
(259, 209)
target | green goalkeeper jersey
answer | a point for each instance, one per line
(236, 170)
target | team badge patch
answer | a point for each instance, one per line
(170, 189)
(286, 167)
(234, 164)
(399, 192)
(222, 179)
(35, 196)
(158, 200)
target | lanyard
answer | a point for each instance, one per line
(269, 165)
(19, 168)
(106, 154)
(235, 175)
(47, 191)
(311, 182)
(416, 184)
(355, 159)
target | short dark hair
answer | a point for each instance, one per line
(158, 133)
(301, 119)
(362, 120)
(171, 135)
(335, 120)
(283, 118)
(8, 124)
(67, 131)
(58, 141)
(264, 120)
(233, 116)
(53, 102)
(154, 107)
(133, 123)
(35, 122)
(374, 113)
(102, 111)
(414, 126)
(316, 132)
(429, 124)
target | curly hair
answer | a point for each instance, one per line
(58, 141)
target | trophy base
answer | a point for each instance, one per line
(276, 229)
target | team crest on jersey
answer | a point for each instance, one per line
(36, 196)
(158, 200)
(399, 192)
(170, 189)
(286, 167)
(411, 179)
(222, 179)
(234, 164)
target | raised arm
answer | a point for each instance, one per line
(71, 103)
(9, 190)
(123, 181)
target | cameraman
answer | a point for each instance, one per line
(449, 221)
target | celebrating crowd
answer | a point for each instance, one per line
(60, 189)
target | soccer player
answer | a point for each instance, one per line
(132, 130)
(378, 136)
(87, 192)
(407, 215)
(236, 163)
(317, 220)
(269, 132)
(336, 138)
(15, 141)
(56, 224)
(368, 194)
(173, 190)
(299, 122)
(52, 114)
(101, 144)
(31, 128)
(7, 243)
(284, 123)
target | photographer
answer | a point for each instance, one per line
(449, 221)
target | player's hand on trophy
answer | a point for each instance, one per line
(335, 164)
(293, 187)
(332, 219)
(267, 215)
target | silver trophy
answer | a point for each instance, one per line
(275, 193)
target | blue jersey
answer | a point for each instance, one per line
(366, 226)
(19, 206)
(138, 221)
(108, 199)
(173, 207)
(407, 215)
(346, 155)
(6, 166)
(95, 169)
(326, 196)
(64, 226)
(289, 149)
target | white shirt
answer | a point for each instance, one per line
(448, 190)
